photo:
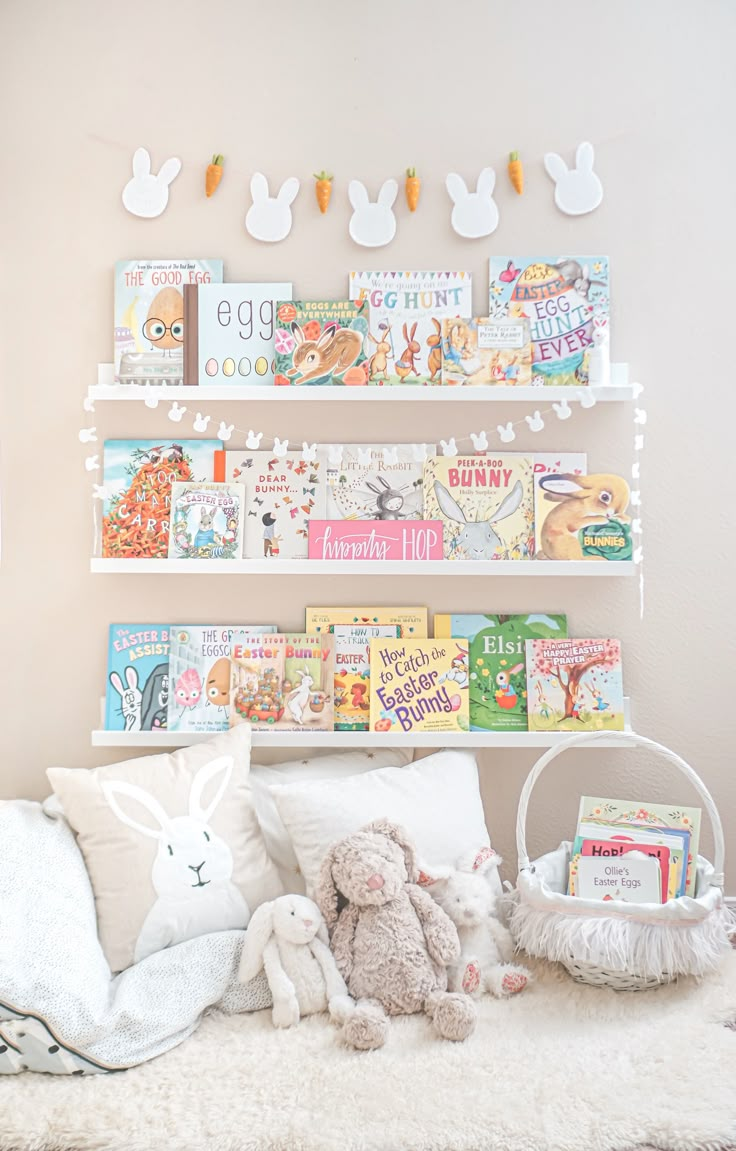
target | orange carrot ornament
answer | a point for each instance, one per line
(411, 188)
(213, 175)
(516, 172)
(323, 189)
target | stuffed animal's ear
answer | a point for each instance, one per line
(257, 936)
(430, 876)
(325, 895)
(479, 861)
(400, 835)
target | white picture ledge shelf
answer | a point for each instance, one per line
(595, 569)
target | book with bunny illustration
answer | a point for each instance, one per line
(574, 685)
(303, 697)
(552, 464)
(230, 333)
(206, 521)
(497, 662)
(137, 477)
(406, 314)
(353, 673)
(320, 343)
(580, 516)
(149, 317)
(411, 621)
(486, 503)
(137, 684)
(282, 495)
(485, 351)
(374, 482)
(565, 300)
(419, 685)
(199, 674)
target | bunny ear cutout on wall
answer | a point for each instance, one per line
(474, 214)
(372, 225)
(146, 195)
(269, 217)
(577, 190)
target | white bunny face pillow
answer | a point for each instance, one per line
(372, 224)
(147, 195)
(269, 217)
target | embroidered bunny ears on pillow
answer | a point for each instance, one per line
(172, 845)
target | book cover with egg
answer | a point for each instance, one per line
(321, 343)
(230, 333)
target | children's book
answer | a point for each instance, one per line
(565, 300)
(574, 685)
(199, 670)
(256, 680)
(497, 663)
(583, 516)
(321, 343)
(149, 317)
(552, 464)
(419, 685)
(486, 503)
(406, 314)
(412, 621)
(629, 878)
(486, 351)
(230, 333)
(137, 686)
(629, 816)
(282, 495)
(669, 839)
(305, 699)
(353, 673)
(138, 476)
(375, 482)
(206, 521)
(616, 848)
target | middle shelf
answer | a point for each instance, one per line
(304, 567)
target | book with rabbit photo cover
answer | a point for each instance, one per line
(199, 671)
(149, 317)
(206, 521)
(304, 700)
(374, 482)
(230, 333)
(419, 685)
(497, 662)
(580, 516)
(574, 685)
(282, 495)
(406, 314)
(353, 673)
(565, 300)
(138, 476)
(137, 684)
(321, 343)
(552, 464)
(485, 351)
(486, 503)
(411, 621)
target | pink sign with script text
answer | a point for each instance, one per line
(375, 540)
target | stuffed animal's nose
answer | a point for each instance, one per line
(308, 922)
(375, 882)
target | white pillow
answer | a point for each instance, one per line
(437, 800)
(324, 767)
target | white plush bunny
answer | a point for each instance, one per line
(372, 224)
(288, 939)
(191, 874)
(486, 946)
(474, 213)
(147, 195)
(131, 697)
(577, 190)
(269, 217)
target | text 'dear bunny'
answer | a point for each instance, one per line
(372, 224)
(192, 871)
(474, 213)
(269, 217)
(577, 190)
(147, 195)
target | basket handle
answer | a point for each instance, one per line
(624, 739)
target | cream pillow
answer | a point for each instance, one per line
(171, 843)
(437, 800)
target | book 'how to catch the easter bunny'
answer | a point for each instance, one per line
(419, 685)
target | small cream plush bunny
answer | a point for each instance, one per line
(288, 939)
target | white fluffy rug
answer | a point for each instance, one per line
(559, 1068)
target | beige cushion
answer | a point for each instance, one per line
(172, 844)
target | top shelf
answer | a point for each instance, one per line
(619, 390)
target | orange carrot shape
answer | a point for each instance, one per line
(213, 175)
(516, 172)
(411, 188)
(323, 189)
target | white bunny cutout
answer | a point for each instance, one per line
(269, 217)
(146, 195)
(280, 447)
(372, 224)
(577, 190)
(192, 871)
(474, 213)
(224, 431)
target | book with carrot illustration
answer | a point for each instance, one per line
(412, 621)
(353, 673)
(486, 351)
(318, 343)
(574, 685)
(419, 685)
(406, 314)
(199, 674)
(486, 503)
(497, 662)
(137, 478)
(137, 684)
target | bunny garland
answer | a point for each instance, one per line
(372, 224)
(474, 213)
(269, 217)
(146, 195)
(577, 190)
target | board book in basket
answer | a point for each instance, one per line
(412, 621)
(676, 842)
(617, 849)
(321, 344)
(206, 521)
(199, 674)
(137, 683)
(574, 685)
(629, 878)
(419, 685)
(486, 503)
(353, 673)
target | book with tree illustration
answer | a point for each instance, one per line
(282, 495)
(486, 351)
(574, 685)
(497, 663)
(307, 667)
(419, 685)
(375, 482)
(486, 503)
(406, 314)
(321, 343)
(137, 684)
(412, 621)
(206, 521)
(137, 478)
(199, 671)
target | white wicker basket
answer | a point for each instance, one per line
(626, 946)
